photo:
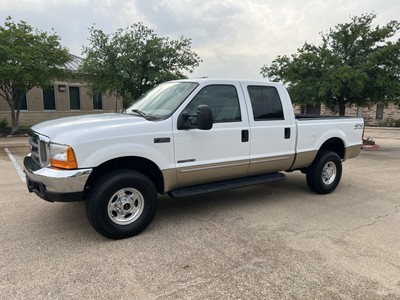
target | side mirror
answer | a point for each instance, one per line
(204, 117)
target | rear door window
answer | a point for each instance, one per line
(266, 103)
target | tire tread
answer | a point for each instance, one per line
(96, 204)
(314, 172)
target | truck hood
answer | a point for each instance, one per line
(64, 129)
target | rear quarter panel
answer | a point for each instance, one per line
(312, 133)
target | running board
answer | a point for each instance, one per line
(227, 185)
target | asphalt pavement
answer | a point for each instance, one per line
(273, 241)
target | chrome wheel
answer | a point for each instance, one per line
(125, 206)
(329, 172)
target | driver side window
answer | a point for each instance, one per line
(223, 101)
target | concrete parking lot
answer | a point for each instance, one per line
(277, 241)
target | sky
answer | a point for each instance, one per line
(233, 38)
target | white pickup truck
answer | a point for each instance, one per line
(184, 137)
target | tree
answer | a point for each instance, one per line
(133, 60)
(355, 64)
(28, 58)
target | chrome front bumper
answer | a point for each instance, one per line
(53, 184)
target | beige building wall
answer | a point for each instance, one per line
(36, 113)
(377, 115)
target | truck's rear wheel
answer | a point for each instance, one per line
(324, 174)
(121, 204)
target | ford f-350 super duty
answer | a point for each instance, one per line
(184, 137)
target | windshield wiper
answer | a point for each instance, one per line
(144, 115)
(139, 112)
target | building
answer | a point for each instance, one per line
(377, 115)
(64, 98)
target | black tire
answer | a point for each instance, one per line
(324, 174)
(121, 204)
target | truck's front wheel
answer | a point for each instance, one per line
(324, 175)
(121, 204)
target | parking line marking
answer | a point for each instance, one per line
(16, 165)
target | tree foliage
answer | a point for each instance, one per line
(356, 63)
(131, 61)
(28, 58)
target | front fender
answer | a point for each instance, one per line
(161, 155)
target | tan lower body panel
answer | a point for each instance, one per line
(170, 179)
(223, 171)
(211, 172)
(352, 151)
(304, 159)
(270, 164)
(188, 176)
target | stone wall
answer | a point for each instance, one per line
(36, 113)
(386, 117)
(371, 118)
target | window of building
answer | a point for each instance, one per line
(23, 103)
(379, 111)
(74, 98)
(311, 109)
(266, 103)
(97, 101)
(223, 101)
(49, 99)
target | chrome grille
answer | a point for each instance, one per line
(42, 152)
(34, 147)
(38, 149)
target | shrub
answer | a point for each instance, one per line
(3, 123)
(389, 122)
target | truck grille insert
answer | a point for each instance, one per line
(38, 149)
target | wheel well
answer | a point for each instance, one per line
(335, 145)
(139, 164)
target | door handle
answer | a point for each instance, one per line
(287, 133)
(245, 136)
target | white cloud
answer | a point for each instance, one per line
(234, 38)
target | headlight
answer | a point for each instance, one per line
(62, 156)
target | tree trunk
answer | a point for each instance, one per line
(14, 121)
(341, 106)
(15, 107)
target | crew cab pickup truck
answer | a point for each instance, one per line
(184, 137)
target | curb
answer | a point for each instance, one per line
(14, 142)
(370, 147)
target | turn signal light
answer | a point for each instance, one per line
(63, 157)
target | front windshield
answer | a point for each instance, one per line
(161, 101)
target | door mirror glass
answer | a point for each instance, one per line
(203, 119)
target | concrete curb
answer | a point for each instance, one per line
(370, 147)
(14, 142)
(382, 128)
